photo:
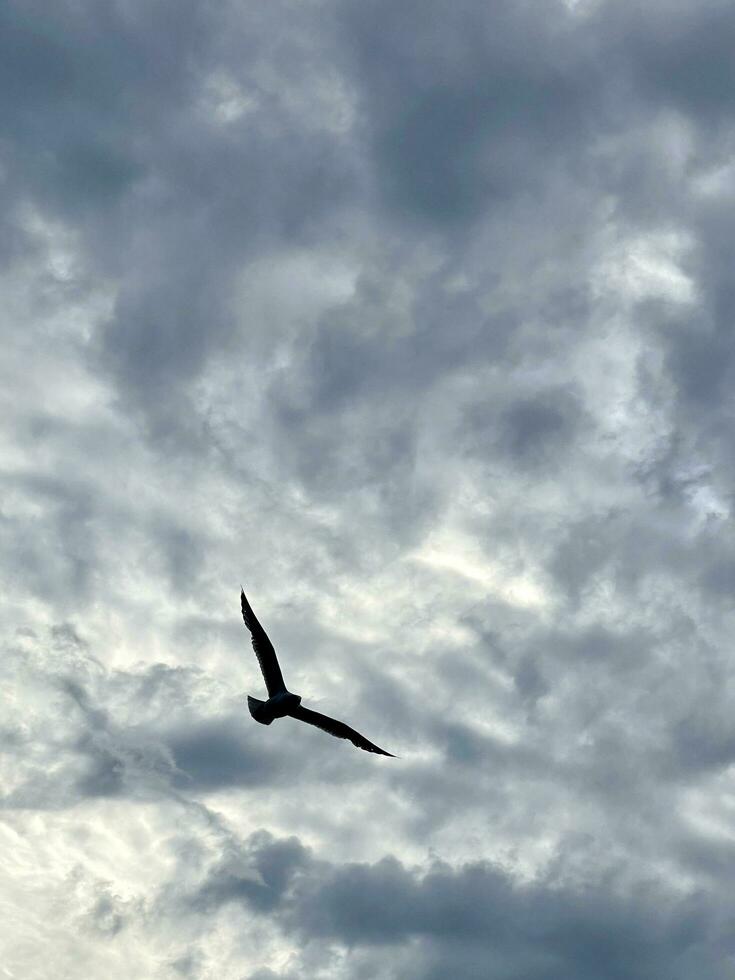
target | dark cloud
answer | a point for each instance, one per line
(218, 754)
(680, 57)
(478, 918)
(532, 432)
(271, 866)
(461, 105)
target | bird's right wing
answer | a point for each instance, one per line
(337, 728)
(263, 650)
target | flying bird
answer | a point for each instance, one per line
(281, 702)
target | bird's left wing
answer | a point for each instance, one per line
(337, 728)
(263, 650)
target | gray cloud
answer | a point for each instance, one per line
(417, 322)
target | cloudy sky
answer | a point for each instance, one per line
(416, 318)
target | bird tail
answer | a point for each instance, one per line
(256, 710)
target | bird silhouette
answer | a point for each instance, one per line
(281, 702)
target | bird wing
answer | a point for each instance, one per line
(337, 728)
(263, 650)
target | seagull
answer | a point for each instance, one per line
(281, 702)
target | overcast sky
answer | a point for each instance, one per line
(416, 319)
